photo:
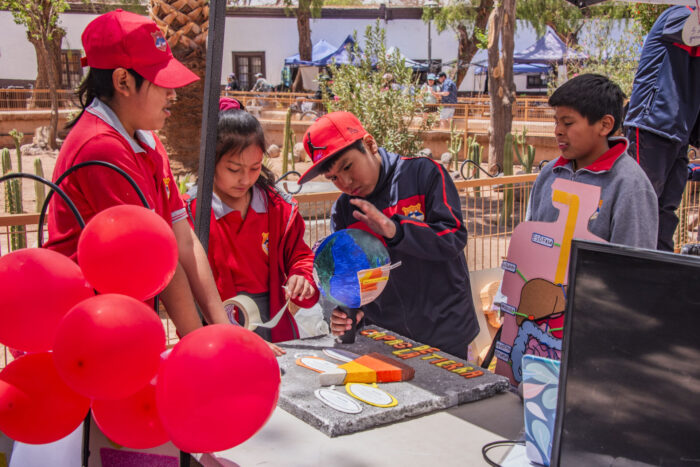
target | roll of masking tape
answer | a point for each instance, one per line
(251, 312)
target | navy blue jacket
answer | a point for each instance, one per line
(428, 298)
(665, 96)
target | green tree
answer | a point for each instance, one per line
(388, 110)
(616, 58)
(469, 24)
(40, 18)
(566, 19)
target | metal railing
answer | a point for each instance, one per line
(35, 99)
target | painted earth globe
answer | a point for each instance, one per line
(351, 267)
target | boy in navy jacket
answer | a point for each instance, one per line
(412, 205)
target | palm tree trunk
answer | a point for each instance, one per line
(185, 24)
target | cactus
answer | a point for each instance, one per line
(13, 203)
(524, 152)
(39, 189)
(475, 152)
(507, 208)
(287, 145)
(455, 144)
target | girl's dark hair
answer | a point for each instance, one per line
(236, 130)
(98, 83)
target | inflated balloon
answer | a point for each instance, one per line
(128, 250)
(218, 386)
(132, 422)
(38, 288)
(108, 346)
(36, 406)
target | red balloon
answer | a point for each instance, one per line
(132, 422)
(109, 346)
(128, 250)
(36, 406)
(218, 386)
(38, 288)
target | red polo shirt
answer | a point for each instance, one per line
(100, 136)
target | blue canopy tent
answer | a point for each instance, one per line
(407, 61)
(548, 49)
(518, 68)
(347, 54)
(319, 51)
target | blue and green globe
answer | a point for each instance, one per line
(339, 259)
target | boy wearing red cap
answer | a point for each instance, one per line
(412, 205)
(127, 94)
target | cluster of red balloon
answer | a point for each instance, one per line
(215, 389)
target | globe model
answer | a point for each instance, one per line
(339, 259)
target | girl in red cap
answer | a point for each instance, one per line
(126, 95)
(256, 237)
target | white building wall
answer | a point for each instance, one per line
(17, 56)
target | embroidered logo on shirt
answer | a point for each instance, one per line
(414, 212)
(166, 182)
(159, 41)
(265, 242)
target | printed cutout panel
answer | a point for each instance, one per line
(535, 278)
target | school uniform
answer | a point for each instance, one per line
(99, 136)
(428, 298)
(256, 255)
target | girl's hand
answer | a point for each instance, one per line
(278, 351)
(298, 287)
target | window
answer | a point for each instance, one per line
(536, 81)
(246, 65)
(71, 70)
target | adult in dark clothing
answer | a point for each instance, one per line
(412, 205)
(664, 114)
(232, 83)
(448, 95)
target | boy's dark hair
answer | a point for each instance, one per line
(593, 96)
(98, 83)
(235, 131)
(328, 163)
(442, 74)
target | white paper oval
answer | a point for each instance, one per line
(317, 364)
(337, 400)
(691, 30)
(371, 394)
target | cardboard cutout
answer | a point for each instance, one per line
(535, 278)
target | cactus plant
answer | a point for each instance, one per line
(13, 203)
(507, 208)
(287, 142)
(475, 152)
(524, 152)
(455, 145)
(39, 189)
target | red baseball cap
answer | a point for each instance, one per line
(328, 135)
(127, 40)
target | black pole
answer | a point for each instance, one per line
(210, 115)
(207, 145)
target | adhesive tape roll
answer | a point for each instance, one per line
(247, 306)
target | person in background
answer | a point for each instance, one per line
(447, 95)
(256, 236)
(261, 84)
(428, 90)
(232, 83)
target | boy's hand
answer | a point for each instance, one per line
(298, 287)
(374, 218)
(278, 351)
(341, 323)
